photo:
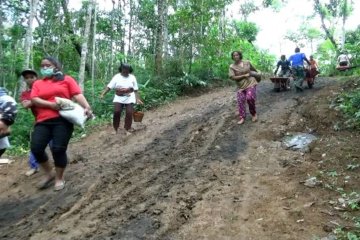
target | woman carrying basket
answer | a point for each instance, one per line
(126, 95)
(241, 72)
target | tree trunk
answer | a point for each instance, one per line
(2, 76)
(110, 68)
(343, 31)
(130, 27)
(28, 41)
(84, 47)
(93, 58)
(29, 33)
(159, 44)
(329, 35)
(71, 31)
(123, 30)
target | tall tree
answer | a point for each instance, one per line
(159, 47)
(29, 32)
(28, 40)
(330, 12)
(84, 46)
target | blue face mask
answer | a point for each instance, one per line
(47, 72)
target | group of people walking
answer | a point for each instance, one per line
(50, 128)
(240, 72)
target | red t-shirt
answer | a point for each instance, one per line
(48, 89)
(26, 96)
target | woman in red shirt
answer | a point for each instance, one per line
(49, 124)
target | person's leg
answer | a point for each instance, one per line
(251, 100)
(41, 135)
(61, 134)
(34, 166)
(298, 78)
(277, 84)
(117, 115)
(128, 116)
(241, 99)
(2, 151)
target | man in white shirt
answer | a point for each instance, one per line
(126, 95)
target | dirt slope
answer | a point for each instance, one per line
(188, 173)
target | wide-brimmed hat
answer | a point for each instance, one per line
(26, 71)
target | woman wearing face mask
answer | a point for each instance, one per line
(126, 95)
(49, 124)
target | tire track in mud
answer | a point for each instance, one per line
(150, 193)
(160, 165)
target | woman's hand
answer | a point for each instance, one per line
(4, 129)
(122, 91)
(54, 106)
(26, 103)
(138, 101)
(88, 112)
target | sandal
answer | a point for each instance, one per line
(45, 183)
(59, 186)
(242, 120)
(31, 171)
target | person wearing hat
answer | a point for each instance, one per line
(126, 95)
(30, 76)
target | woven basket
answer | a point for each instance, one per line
(138, 116)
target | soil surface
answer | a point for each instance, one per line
(190, 172)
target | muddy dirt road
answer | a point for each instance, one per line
(190, 172)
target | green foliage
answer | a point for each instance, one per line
(246, 30)
(20, 132)
(350, 105)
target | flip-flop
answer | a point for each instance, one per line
(45, 183)
(59, 187)
(242, 120)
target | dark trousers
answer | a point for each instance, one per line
(59, 131)
(2, 151)
(118, 108)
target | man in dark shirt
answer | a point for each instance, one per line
(285, 67)
(284, 72)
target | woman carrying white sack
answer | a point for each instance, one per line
(126, 95)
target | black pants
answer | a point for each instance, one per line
(343, 64)
(2, 151)
(59, 131)
(118, 108)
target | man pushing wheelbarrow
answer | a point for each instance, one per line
(282, 80)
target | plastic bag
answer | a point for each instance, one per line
(71, 111)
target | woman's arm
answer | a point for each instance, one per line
(106, 90)
(233, 76)
(240, 77)
(38, 102)
(84, 103)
